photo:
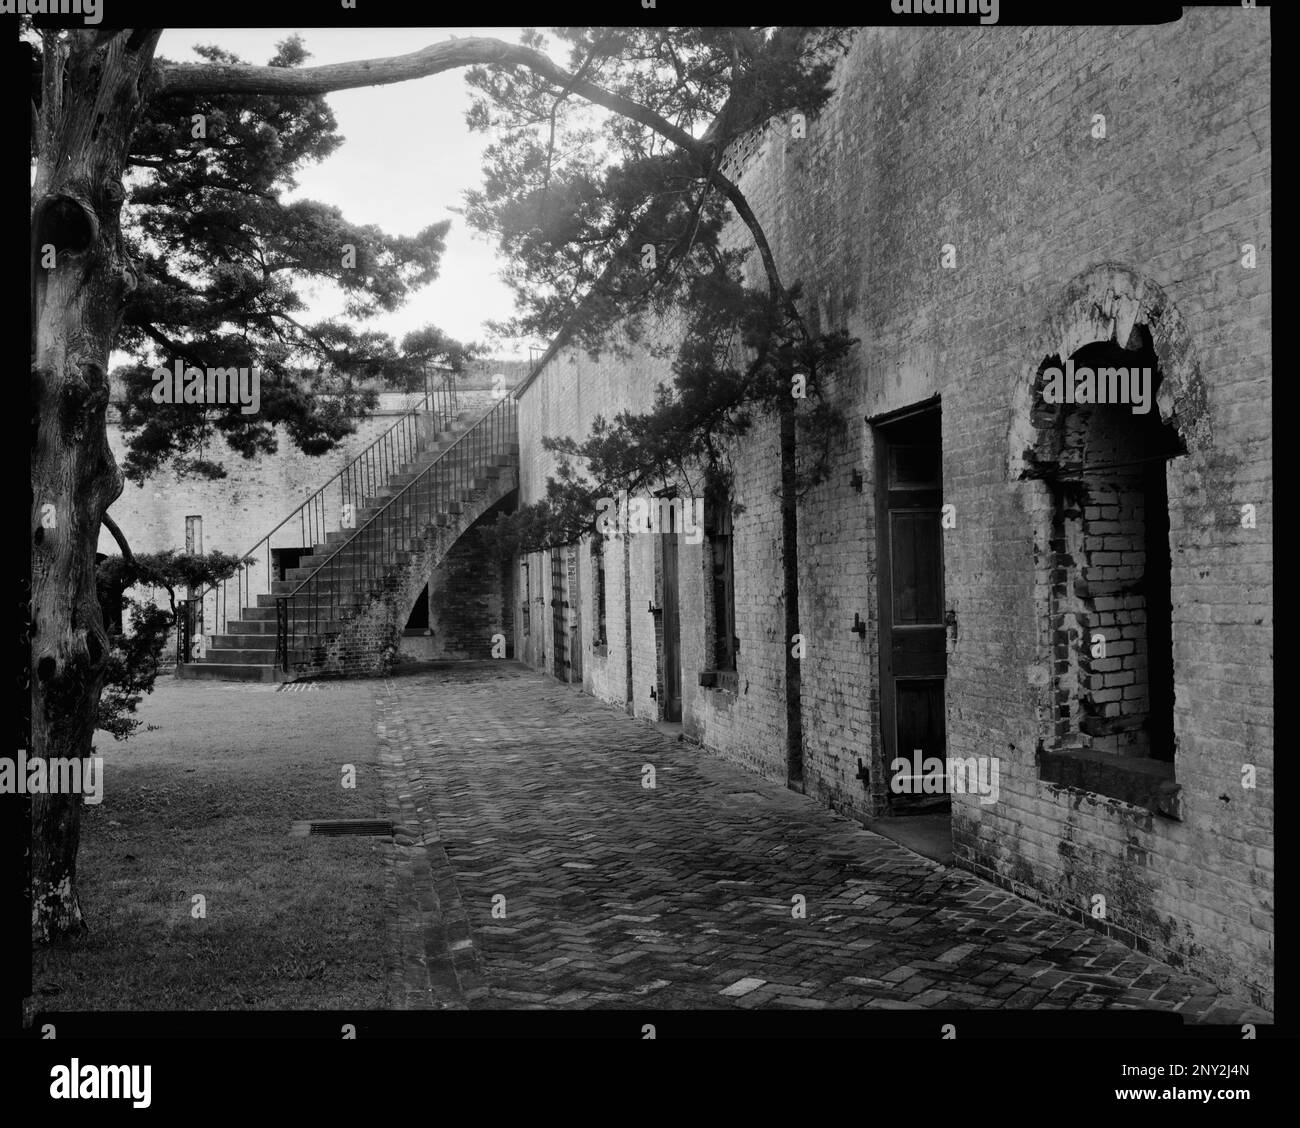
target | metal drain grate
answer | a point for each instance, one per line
(335, 828)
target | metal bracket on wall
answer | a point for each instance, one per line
(859, 627)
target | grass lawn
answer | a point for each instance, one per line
(202, 804)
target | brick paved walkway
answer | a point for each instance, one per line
(513, 785)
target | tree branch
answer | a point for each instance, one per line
(219, 78)
(214, 78)
(141, 570)
(555, 109)
(111, 526)
(179, 349)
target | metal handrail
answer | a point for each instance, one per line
(360, 479)
(370, 552)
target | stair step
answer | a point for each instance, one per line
(338, 574)
(339, 550)
(268, 615)
(364, 550)
(309, 602)
(247, 627)
(240, 640)
(230, 657)
(233, 671)
(298, 628)
(418, 497)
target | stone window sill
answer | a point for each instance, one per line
(1137, 780)
(724, 681)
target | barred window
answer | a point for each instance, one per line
(725, 643)
(598, 582)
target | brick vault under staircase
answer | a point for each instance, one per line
(412, 494)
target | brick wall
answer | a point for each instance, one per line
(467, 601)
(1098, 557)
(982, 140)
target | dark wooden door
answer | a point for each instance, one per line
(672, 703)
(559, 636)
(913, 661)
(575, 613)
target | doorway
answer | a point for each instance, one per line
(575, 616)
(913, 634)
(559, 605)
(672, 647)
(418, 621)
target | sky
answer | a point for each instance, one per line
(407, 156)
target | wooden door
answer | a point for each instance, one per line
(559, 635)
(913, 660)
(575, 613)
(672, 702)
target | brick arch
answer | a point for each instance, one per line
(408, 596)
(1109, 302)
(367, 642)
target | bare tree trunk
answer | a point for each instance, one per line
(90, 100)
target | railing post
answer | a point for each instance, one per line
(282, 632)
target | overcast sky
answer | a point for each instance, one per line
(406, 157)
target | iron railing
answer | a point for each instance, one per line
(308, 525)
(368, 563)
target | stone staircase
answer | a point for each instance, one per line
(388, 552)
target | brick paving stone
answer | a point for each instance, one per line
(742, 987)
(679, 897)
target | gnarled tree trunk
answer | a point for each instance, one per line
(90, 98)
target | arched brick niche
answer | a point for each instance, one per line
(1109, 302)
(1095, 484)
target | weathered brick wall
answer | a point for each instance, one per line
(739, 725)
(983, 140)
(746, 725)
(468, 603)
(465, 603)
(1098, 570)
(863, 210)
